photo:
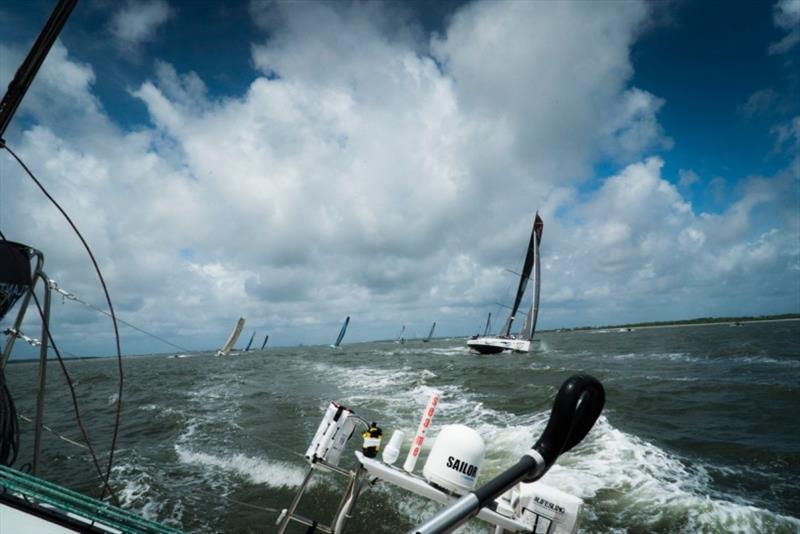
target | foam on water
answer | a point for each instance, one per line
(645, 485)
(765, 360)
(449, 351)
(138, 493)
(257, 470)
(684, 357)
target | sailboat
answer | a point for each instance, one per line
(250, 343)
(430, 334)
(264, 344)
(341, 333)
(505, 341)
(30, 504)
(400, 338)
(237, 330)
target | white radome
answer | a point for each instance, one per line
(455, 459)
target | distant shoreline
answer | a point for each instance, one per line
(721, 321)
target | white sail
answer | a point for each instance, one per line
(533, 315)
(400, 338)
(232, 339)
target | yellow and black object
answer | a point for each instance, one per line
(372, 441)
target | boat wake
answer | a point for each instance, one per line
(624, 479)
(274, 474)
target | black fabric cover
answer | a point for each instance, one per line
(15, 274)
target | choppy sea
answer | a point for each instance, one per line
(701, 431)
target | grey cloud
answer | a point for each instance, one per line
(377, 182)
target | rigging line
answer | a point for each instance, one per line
(61, 436)
(32, 341)
(230, 499)
(268, 442)
(77, 411)
(72, 296)
(110, 307)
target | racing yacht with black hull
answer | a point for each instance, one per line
(505, 341)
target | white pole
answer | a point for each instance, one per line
(419, 439)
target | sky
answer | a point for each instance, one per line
(297, 162)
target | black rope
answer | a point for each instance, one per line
(9, 425)
(110, 307)
(75, 408)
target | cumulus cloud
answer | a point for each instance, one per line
(366, 173)
(786, 16)
(138, 21)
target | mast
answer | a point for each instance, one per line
(27, 71)
(237, 330)
(264, 344)
(342, 332)
(250, 342)
(488, 324)
(538, 228)
(527, 267)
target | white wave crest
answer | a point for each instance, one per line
(645, 485)
(257, 470)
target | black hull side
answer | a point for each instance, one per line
(487, 349)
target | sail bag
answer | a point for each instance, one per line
(15, 274)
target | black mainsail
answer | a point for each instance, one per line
(249, 343)
(264, 344)
(527, 268)
(430, 334)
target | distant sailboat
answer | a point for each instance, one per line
(232, 339)
(341, 333)
(430, 334)
(264, 344)
(249, 343)
(487, 344)
(400, 338)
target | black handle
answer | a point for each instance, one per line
(578, 404)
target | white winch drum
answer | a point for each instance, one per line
(455, 459)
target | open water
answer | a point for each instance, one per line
(701, 431)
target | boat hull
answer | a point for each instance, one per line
(496, 345)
